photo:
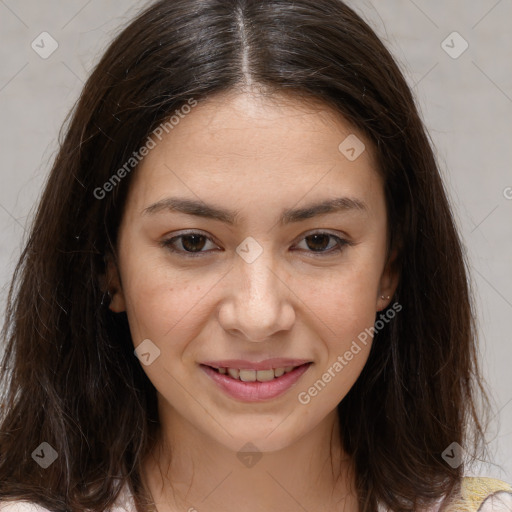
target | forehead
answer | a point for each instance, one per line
(255, 125)
(251, 143)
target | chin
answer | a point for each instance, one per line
(265, 437)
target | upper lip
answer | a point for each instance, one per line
(267, 364)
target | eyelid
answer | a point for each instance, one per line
(320, 231)
(167, 243)
(342, 241)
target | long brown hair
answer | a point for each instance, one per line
(71, 378)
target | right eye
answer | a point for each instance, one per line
(188, 244)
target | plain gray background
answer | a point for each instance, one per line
(465, 100)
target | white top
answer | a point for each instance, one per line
(499, 502)
(124, 503)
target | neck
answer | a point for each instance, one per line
(190, 471)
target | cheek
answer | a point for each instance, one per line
(167, 309)
(344, 314)
(160, 301)
(346, 305)
(345, 300)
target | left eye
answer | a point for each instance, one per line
(319, 242)
(192, 244)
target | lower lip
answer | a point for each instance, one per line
(256, 391)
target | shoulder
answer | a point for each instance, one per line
(25, 506)
(21, 506)
(480, 494)
(124, 503)
(476, 494)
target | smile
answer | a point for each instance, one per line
(251, 385)
(255, 375)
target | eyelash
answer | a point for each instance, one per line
(168, 244)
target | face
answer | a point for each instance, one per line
(226, 260)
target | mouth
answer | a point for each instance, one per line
(250, 375)
(251, 385)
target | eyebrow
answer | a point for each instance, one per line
(290, 215)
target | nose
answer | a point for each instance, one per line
(258, 303)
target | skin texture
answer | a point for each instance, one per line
(256, 155)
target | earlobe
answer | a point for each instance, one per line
(117, 304)
(111, 285)
(388, 282)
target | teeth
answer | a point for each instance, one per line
(233, 372)
(278, 372)
(264, 375)
(255, 375)
(248, 375)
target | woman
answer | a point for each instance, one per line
(243, 287)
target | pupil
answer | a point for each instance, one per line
(192, 247)
(325, 238)
(190, 242)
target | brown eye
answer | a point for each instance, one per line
(320, 243)
(189, 244)
(193, 243)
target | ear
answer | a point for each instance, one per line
(110, 283)
(388, 281)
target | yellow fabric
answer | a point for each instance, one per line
(474, 491)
